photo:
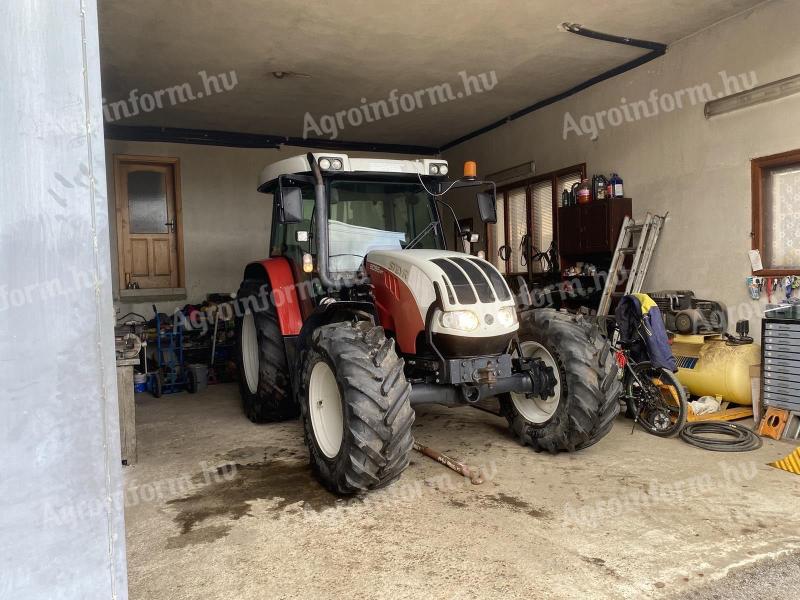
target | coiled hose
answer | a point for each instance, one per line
(721, 436)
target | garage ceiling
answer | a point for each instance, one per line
(354, 49)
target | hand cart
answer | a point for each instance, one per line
(171, 374)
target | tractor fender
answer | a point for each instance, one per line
(277, 273)
(324, 314)
(327, 313)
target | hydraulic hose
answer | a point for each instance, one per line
(720, 436)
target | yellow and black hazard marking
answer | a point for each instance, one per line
(789, 463)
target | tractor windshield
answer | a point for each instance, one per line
(365, 216)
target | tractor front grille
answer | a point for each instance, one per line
(485, 281)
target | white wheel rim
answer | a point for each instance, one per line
(325, 408)
(534, 409)
(250, 351)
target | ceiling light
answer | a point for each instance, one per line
(763, 93)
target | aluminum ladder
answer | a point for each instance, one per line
(642, 251)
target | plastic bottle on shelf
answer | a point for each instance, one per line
(615, 186)
(584, 192)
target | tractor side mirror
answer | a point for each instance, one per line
(291, 207)
(486, 207)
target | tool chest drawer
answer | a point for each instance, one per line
(771, 363)
(783, 342)
(779, 401)
(780, 363)
(778, 378)
(782, 326)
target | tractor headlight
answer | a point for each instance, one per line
(464, 320)
(507, 316)
(324, 164)
(434, 169)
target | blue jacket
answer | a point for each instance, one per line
(642, 329)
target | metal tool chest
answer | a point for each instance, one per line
(780, 363)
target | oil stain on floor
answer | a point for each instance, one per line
(515, 504)
(229, 492)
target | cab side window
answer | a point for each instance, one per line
(284, 241)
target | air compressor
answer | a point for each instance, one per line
(714, 365)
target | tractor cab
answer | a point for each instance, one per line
(364, 204)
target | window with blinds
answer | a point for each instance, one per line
(526, 211)
(498, 236)
(517, 227)
(565, 182)
(541, 219)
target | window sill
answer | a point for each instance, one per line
(152, 295)
(777, 273)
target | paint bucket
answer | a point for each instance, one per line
(139, 382)
(200, 373)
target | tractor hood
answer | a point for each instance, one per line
(407, 283)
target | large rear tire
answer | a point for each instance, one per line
(354, 399)
(264, 382)
(584, 405)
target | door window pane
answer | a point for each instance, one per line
(781, 195)
(147, 202)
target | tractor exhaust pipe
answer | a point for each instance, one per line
(321, 204)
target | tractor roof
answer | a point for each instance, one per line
(299, 164)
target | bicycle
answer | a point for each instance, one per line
(654, 397)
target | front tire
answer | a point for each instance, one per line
(357, 416)
(583, 408)
(264, 383)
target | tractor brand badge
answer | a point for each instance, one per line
(399, 270)
(374, 267)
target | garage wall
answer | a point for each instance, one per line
(62, 525)
(226, 222)
(677, 161)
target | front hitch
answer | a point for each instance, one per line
(529, 376)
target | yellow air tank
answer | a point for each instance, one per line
(708, 366)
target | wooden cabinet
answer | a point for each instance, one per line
(569, 226)
(591, 228)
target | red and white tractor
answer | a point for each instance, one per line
(361, 313)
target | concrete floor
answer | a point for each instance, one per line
(220, 508)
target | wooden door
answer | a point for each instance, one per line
(148, 225)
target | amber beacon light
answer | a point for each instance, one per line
(470, 169)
